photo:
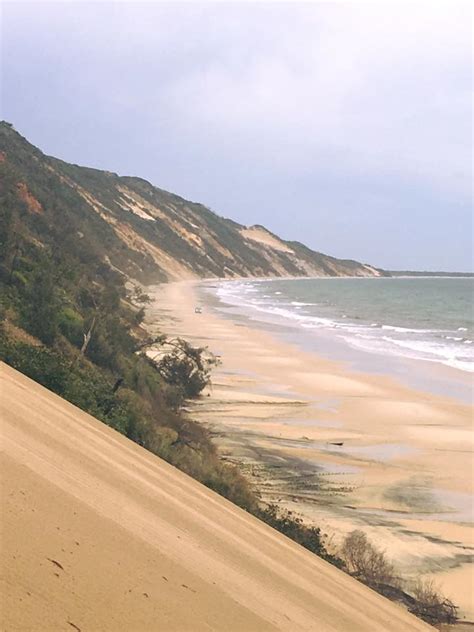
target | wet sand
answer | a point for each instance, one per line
(404, 471)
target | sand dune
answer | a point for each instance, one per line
(98, 534)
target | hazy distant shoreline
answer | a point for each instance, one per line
(439, 275)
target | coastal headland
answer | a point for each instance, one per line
(343, 449)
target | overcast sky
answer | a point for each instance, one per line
(345, 126)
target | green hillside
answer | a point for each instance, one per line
(71, 319)
(139, 230)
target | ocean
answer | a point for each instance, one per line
(375, 321)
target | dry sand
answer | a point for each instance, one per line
(404, 474)
(98, 534)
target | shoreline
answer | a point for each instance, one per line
(278, 411)
(337, 343)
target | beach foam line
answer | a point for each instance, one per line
(415, 344)
(420, 351)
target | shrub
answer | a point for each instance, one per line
(40, 364)
(19, 279)
(186, 366)
(111, 341)
(430, 605)
(292, 526)
(40, 308)
(369, 565)
(139, 316)
(89, 389)
(71, 325)
(226, 480)
(366, 562)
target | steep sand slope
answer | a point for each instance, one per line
(98, 534)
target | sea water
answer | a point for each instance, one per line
(427, 320)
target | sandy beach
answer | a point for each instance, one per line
(404, 471)
(98, 534)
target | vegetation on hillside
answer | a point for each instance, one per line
(140, 230)
(73, 323)
(370, 565)
(71, 320)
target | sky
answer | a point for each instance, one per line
(347, 126)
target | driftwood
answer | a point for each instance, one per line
(87, 339)
(443, 611)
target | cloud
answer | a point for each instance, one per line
(382, 88)
(347, 110)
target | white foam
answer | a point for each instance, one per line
(462, 365)
(421, 351)
(309, 321)
(405, 330)
(420, 344)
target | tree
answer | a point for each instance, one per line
(185, 366)
(366, 562)
(370, 566)
(42, 305)
(430, 605)
(10, 237)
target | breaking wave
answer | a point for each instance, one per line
(451, 347)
